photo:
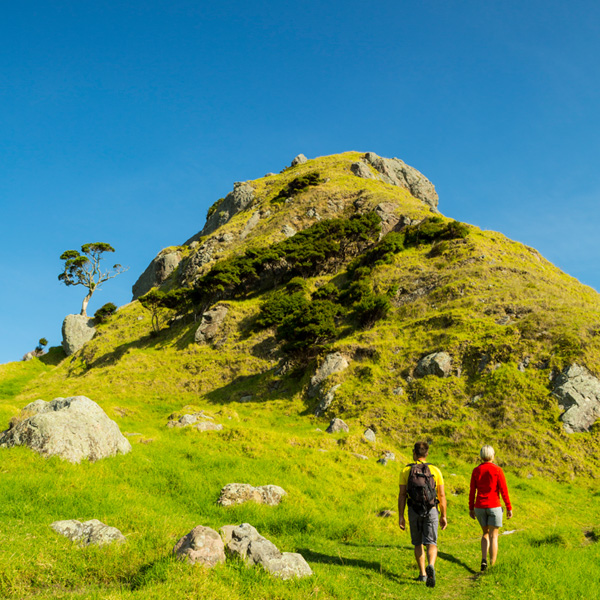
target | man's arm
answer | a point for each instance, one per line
(442, 506)
(401, 507)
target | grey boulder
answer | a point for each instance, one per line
(77, 330)
(246, 543)
(211, 322)
(578, 394)
(202, 545)
(157, 272)
(88, 532)
(438, 364)
(369, 435)
(336, 426)
(360, 169)
(299, 160)
(74, 429)
(238, 493)
(334, 362)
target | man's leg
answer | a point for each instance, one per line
(485, 543)
(420, 558)
(431, 554)
(493, 533)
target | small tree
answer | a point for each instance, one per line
(41, 344)
(83, 268)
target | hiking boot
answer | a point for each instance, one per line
(430, 581)
(421, 578)
(483, 565)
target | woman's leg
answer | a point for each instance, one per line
(493, 535)
(485, 542)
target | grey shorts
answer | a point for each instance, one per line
(423, 530)
(491, 517)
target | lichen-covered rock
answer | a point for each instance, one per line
(246, 543)
(333, 363)
(156, 273)
(360, 169)
(74, 428)
(336, 426)
(221, 211)
(327, 398)
(238, 493)
(250, 225)
(77, 330)
(438, 364)
(397, 172)
(202, 545)
(89, 532)
(578, 394)
(211, 321)
(208, 426)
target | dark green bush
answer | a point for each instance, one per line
(298, 185)
(279, 306)
(104, 312)
(434, 229)
(371, 308)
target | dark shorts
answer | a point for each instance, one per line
(423, 530)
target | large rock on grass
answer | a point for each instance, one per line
(74, 429)
(246, 543)
(578, 394)
(202, 546)
(238, 493)
(77, 330)
(438, 364)
(88, 532)
(335, 362)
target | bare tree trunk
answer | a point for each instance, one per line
(86, 300)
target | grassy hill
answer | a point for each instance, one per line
(509, 319)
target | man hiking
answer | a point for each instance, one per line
(422, 485)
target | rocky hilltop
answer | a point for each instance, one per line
(337, 288)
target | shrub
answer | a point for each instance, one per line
(105, 312)
(279, 306)
(298, 185)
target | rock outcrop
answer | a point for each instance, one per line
(397, 172)
(238, 493)
(333, 363)
(211, 322)
(157, 272)
(88, 532)
(199, 420)
(438, 364)
(77, 330)
(74, 429)
(246, 543)
(202, 545)
(578, 394)
(221, 211)
(299, 160)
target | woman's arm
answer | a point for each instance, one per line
(472, 494)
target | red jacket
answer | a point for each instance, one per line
(488, 481)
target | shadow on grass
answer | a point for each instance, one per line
(341, 561)
(450, 558)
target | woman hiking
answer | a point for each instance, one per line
(487, 485)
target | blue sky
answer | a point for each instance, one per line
(123, 122)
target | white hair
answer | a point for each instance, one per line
(487, 453)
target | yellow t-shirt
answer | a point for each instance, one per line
(437, 474)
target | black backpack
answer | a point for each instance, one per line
(421, 490)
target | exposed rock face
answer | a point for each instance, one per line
(33, 354)
(240, 198)
(397, 172)
(360, 169)
(201, 422)
(211, 321)
(299, 160)
(333, 363)
(578, 393)
(337, 425)
(156, 273)
(250, 225)
(438, 364)
(244, 541)
(77, 330)
(288, 231)
(238, 493)
(88, 532)
(74, 428)
(202, 545)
